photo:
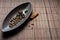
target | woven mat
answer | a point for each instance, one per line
(44, 27)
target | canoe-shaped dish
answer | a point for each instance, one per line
(17, 17)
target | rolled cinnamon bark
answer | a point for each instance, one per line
(34, 14)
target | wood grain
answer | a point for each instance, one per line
(46, 26)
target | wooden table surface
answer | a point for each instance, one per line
(44, 27)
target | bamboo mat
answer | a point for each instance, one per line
(44, 27)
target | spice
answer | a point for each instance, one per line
(16, 19)
(34, 14)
